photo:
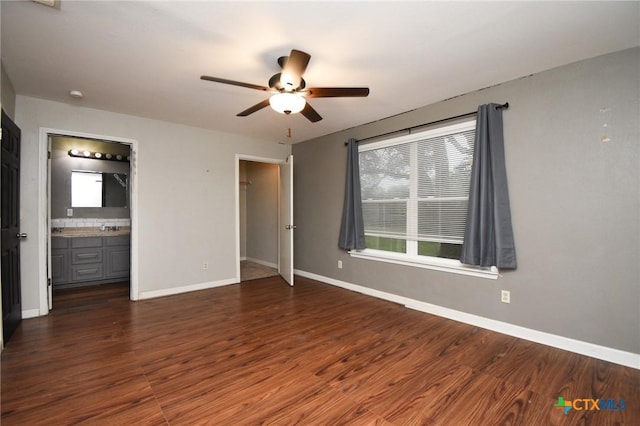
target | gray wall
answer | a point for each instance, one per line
(262, 211)
(62, 164)
(575, 204)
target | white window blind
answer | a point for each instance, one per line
(416, 187)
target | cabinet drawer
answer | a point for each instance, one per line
(90, 272)
(86, 255)
(60, 242)
(119, 240)
(86, 242)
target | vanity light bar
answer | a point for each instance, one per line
(98, 155)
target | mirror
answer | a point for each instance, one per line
(98, 189)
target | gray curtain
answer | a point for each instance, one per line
(352, 226)
(488, 237)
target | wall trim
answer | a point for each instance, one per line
(616, 356)
(185, 289)
(262, 262)
(30, 313)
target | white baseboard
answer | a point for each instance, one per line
(262, 262)
(615, 356)
(30, 313)
(185, 289)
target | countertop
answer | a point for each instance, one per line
(90, 232)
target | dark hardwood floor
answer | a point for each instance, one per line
(266, 353)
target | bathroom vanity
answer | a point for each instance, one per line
(88, 258)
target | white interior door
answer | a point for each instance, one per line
(286, 226)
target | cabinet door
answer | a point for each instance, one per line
(117, 262)
(59, 266)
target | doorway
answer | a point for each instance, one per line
(258, 220)
(90, 220)
(45, 226)
(264, 209)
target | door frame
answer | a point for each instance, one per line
(257, 159)
(44, 222)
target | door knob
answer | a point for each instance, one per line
(21, 236)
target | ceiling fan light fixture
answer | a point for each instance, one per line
(287, 103)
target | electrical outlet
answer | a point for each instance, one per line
(339, 264)
(69, 212)
(205, 265)
(505, 296)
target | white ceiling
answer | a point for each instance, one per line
(145, 58)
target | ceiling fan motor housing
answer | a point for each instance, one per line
(275, 82)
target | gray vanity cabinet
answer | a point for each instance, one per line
(89, 260)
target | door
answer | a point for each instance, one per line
(285, 233)
(11, 236)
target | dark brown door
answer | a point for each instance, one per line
(10, 217)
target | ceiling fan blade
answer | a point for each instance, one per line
(336, 92)
(256, 107)
(293, 69)
(234, 83)
(311, 114)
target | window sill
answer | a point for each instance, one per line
(435, 263)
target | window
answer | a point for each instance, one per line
(415, 190)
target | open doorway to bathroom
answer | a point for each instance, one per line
(259, 215)
(90, 217)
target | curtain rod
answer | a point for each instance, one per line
(408, 129)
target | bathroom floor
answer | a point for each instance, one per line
(89, 297)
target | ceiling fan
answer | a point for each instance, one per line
(289, 89)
